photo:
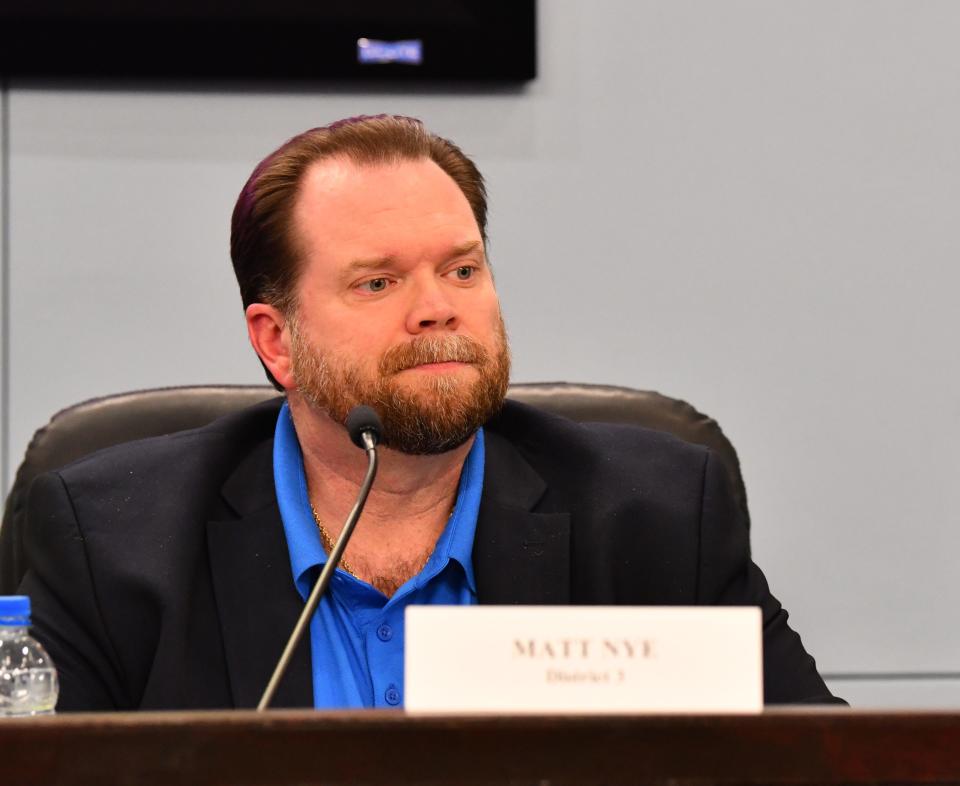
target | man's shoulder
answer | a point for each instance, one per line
(531, 428)
(224, 440)
(581, 463)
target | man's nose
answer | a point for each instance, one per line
(431, 308)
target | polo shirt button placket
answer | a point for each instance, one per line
(392, 695)
(384, 632)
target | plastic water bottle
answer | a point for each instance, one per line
(28, 679)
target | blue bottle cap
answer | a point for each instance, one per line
(14, 610)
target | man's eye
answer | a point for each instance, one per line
(464, 272)
(374, 285)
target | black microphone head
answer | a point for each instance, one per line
(360, 419)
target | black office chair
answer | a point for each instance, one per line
(102, 422)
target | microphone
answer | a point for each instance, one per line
(365, 428)
(363, 423)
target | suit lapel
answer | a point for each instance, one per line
(256, 600)
(519, 556)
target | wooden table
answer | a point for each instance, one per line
(823, 746)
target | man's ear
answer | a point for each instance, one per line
(270, 337)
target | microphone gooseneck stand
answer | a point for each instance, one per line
(364, 427)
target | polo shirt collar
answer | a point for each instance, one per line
(303, 538)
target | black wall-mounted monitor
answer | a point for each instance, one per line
(419, 40)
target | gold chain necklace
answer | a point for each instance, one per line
(328, 544)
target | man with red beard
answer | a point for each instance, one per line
(178, 566)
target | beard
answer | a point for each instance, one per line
(438, 413)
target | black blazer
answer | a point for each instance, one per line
(160, 574)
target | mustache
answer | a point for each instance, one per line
(432, 349)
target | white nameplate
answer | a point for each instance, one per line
(583, 659)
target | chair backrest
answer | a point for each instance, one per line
(84, 428)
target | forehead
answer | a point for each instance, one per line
(345, 207)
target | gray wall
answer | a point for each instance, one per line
(752, 205)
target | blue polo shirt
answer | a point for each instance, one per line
(356, 634)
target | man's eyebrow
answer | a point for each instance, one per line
(467, 248)
(372, 263)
